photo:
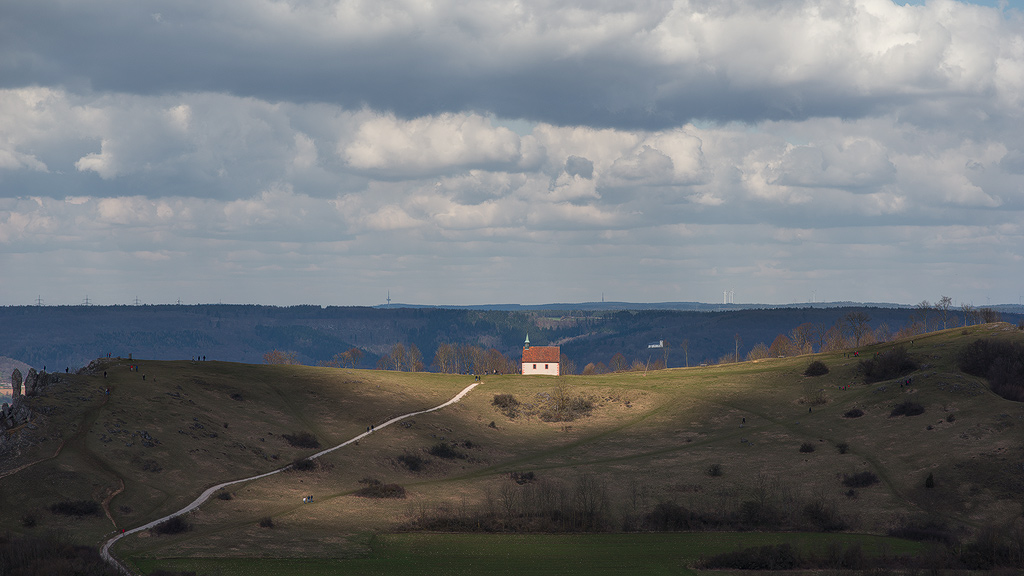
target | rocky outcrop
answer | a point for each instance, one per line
(14, 414)
(37, 382)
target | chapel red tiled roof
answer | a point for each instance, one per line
(549, 354)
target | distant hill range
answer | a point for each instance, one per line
(58, 338)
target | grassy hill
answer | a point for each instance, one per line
(748, 446)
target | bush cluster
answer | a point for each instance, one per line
(266, 522)
(76, 508)
(173, 525)
(807, 447)
(51, 555)
(507, 403)
(775, 557)
(907, 408)
(376, 489)
(522, 477)
(888, 364)
(302, 440)
(853, 413)
(446, 450)
(303, 465)
(413, 462)
(1001, 363)
(816, 368)
(860, 479)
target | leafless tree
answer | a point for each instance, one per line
(943, 306)
(803, 338)
(781, 346)
(758, 352)
(857, 322)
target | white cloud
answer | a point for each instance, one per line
(396, 139)
(430, 145)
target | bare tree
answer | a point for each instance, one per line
(736, 354)
(803, 338)
(618, 363)
(686, 351)
(566, 365)
(444, 358)
(758, 352)
(924, 309)
(943, 306)
(396, 359)
(968, 312)
(857, 322)
(781, 347)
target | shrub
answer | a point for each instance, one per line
(824, 516)
(860, 479)
(266, 522)
(1001, 363)
(522, 477)
(714, 470)
(907, 408)
(843, 447)
(303, 465)
(507, 403)
(28, 521)
(929, 531)
(888, 364)
(776, 557)
(816, 368)
(950, 417)
(807, 447)
(302, 440)
(173, 525)
(853, 413)
(376, 489)
(224, 496)
(445, 450)
(52, 554)
(667, 516)
(413, 462)
(929, 482)
(76, 508)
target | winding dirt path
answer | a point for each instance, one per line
(109, 557)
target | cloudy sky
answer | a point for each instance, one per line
(451, 152)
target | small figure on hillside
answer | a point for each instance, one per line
(143, 376)
(808, 409)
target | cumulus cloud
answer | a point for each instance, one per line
(400, 140)
(429, 145)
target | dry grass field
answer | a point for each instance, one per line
(728, 441)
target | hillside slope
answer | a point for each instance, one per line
(725, 445)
